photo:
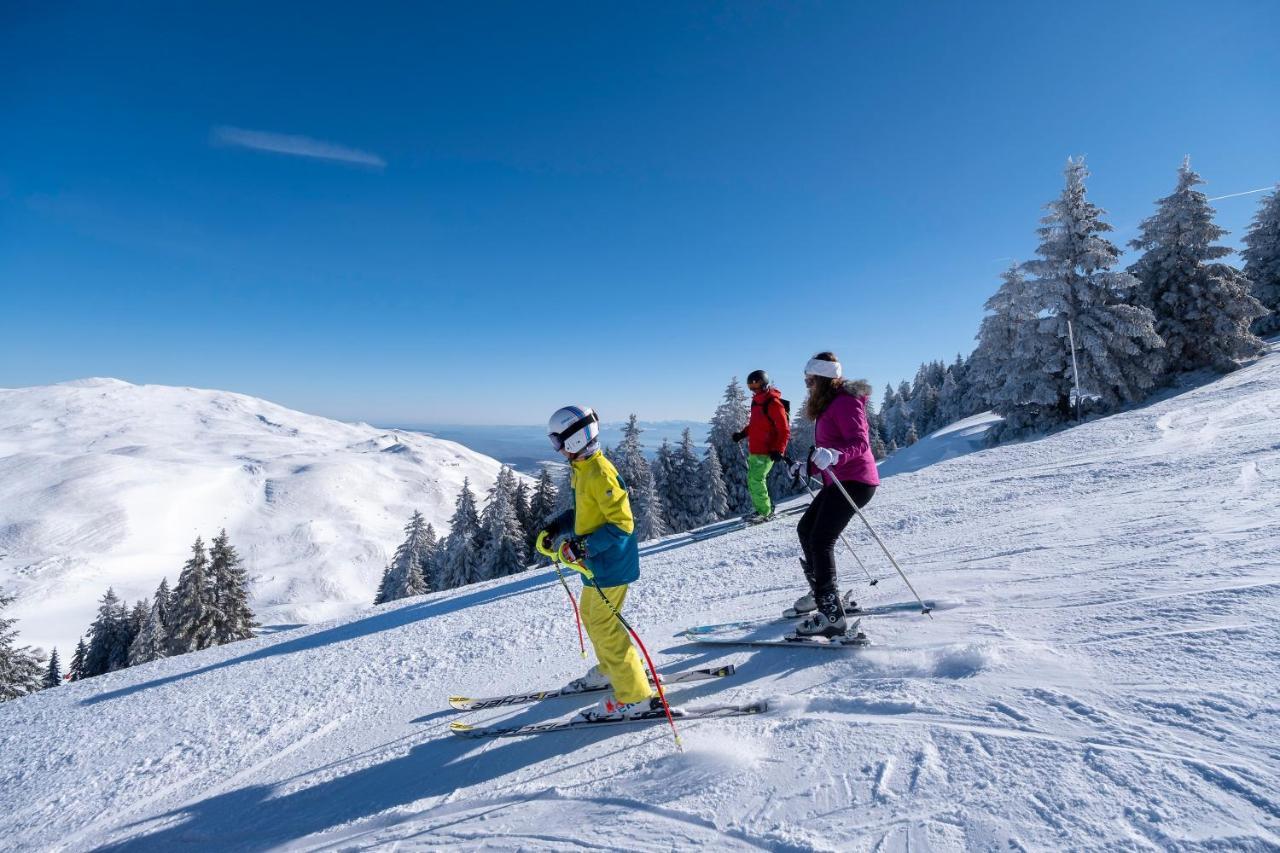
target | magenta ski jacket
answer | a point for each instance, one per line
(842, 427)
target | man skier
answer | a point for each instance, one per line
(598, 531)
(767, 433)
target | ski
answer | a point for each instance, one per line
(705, 712)
(766, 621)
(466, 703)
(851, 639)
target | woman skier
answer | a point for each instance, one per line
(842, 451)
(767, 434)
(598, 531)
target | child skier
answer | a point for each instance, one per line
(597, 531)
(767, 433)
(842, 451)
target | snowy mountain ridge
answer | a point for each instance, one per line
(105, 483)
(1099, 672)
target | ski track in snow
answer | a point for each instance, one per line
(1103, 676)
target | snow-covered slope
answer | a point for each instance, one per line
(957, 439)
(107, 483)
(1100, 673)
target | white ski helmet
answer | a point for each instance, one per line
(573, 428)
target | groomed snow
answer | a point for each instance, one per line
(104, 483)
(1100, 673)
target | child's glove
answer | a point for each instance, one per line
(739, 435)
(573, 550)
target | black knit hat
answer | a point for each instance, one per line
(758, 376)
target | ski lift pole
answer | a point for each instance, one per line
(1075, 370)
(804, 478)
(589, 576)
(924, 608)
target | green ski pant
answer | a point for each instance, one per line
(758, 466)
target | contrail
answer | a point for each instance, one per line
(1233, 195)
(296, 146)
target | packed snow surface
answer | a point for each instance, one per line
(1100, 672)
(104, 483)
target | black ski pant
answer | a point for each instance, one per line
(820, 528)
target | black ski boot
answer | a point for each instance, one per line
(829, 621)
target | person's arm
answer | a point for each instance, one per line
(615, 506)
(854, 438)
(782, 427)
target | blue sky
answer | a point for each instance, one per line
(418, 213)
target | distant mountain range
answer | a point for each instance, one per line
(526, 449)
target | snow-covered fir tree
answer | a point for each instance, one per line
(520, 500)
(230, 583)
(137, 616)
(663, 464)
(406, 574)
(912, 437)
(950, 400)
(108, 637)
(76, 669)
(715, 497)
(1203, 309)
(542, 506)
(646, 504)
(20, 669)
(875, 429)
(502, 539)
(459, 561)
(52, 672)
(192, 612)
(1004, 369)
(1262, 262)
(152, 641)
(1118, 352)
(730, 416)
(687, 505)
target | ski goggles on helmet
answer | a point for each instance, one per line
(559, 438)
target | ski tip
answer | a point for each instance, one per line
(461, 703)
(460, 728)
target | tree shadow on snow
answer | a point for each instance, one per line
(374, 624)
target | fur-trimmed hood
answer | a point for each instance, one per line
(857, 387)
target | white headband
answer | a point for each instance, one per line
(821, 367)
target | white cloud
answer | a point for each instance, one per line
(297, 146)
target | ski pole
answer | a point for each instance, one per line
(582, 645)
(924, 608)
(813, 496)
(590, 576)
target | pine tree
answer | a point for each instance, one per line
(542, 506)
(1262, 262)
(688, 505)
(76, 670)
(950, 400)
(1203, 309)
(194, 620)
(108, 635)
(661, 469)
(404, 575)
(152, 642)
(230, 587)
(646, 505)
(912, 436)
(521, 501)
(20, 669)
(715, 497)
(459, 561)
(1118, 352)
(52, 673)
(163, 602)
(136, 619)
(1004, 370)
(730, 416)
(502, 551)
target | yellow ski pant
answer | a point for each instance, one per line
(619, 660)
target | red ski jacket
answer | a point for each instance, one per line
(769, 430)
